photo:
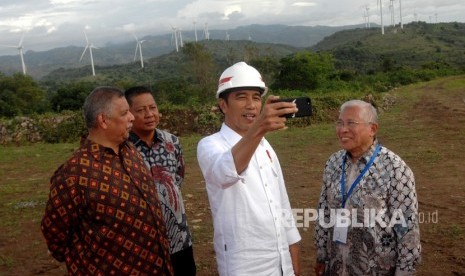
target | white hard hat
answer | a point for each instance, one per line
(241, 75)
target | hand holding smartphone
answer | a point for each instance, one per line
(304, 106)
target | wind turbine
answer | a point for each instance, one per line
(365, 20)
(89, 46)
(195, 31)
(20, 49)
(175, 37)
(400, 14)
(391, 10)
(139, 48)
(206, 33)
(368, 15)
(227, 36)
(180, 38)
(380, 3)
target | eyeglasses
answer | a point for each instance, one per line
(349, 124)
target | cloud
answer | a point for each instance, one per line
(303, 4)
(236, 16)
(56, 23)
(233, 9)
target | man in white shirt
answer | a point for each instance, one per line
(254, 231)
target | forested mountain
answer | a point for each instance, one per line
(216, 54)
(41, 63)
(361, 51)
(417, 45)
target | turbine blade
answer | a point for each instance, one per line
(135, 53)
(22, 60)
(21, 40)
(87, 40)
(85, 49)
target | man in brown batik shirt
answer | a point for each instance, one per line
(103, 216)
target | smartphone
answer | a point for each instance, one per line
(304, 104)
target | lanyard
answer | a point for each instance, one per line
(343, 182)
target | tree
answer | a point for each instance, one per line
(268, 66)
(304, 71)
(201, 68)
(20, 95)
(71, 96)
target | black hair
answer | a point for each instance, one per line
(225, 94)
(134, 91)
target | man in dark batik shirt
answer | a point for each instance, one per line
(103, 216)
(163, 155)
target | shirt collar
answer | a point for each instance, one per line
(365, 158)
(231, 136)
(98, 150)
(135, 139)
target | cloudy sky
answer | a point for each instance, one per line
(48, 24)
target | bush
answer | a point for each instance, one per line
(62, 128)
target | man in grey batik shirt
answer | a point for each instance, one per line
(376, 188)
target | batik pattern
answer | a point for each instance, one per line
(103, 216)
(389, 187)
(165, 160)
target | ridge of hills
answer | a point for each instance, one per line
(360, 50)
(41, 63)
(172, 65)
(417, 45)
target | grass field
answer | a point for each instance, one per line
(425, 126)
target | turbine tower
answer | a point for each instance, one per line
(206, 33)
(89, 46)
(380, 5)
(180, 38)
(365, 20)
(139, 48)
(368, 15)
(400, 14)
(175, 37)
(195, 31)
(19, 47)
(391, 10)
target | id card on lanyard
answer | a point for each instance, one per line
(340, 232)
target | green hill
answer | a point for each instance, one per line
(174, 65)
(41, 63)
(417, 45)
